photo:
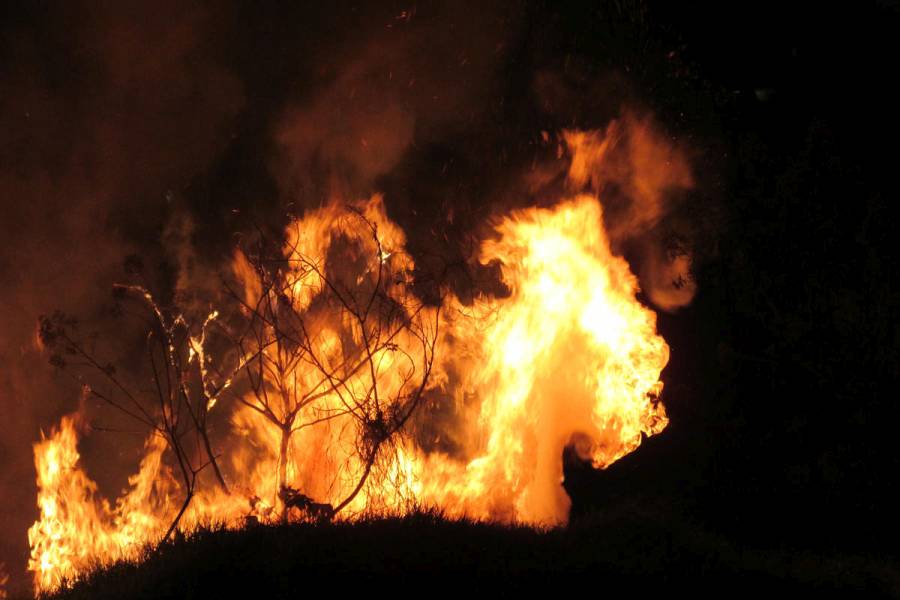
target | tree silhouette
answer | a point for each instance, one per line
(338, 336)
(321, 334)
(177, 404)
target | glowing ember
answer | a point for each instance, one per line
(337, 355)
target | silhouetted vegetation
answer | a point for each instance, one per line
(425, 553)
(781, 384)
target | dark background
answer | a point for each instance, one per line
(161, 131)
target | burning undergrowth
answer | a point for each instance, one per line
(333, 378)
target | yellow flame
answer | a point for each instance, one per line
(570, 351)
(76, 529)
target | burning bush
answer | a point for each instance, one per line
(339, 380)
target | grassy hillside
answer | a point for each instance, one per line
(425, 553)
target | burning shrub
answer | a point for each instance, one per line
(320, 352)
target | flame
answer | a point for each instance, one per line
(569, 353)
(568, 357)
(76, 529)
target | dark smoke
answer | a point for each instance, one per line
(107, 110)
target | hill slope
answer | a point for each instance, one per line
(425, 553)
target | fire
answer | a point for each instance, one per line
(569, 352)
(76, 528)
(340, 359)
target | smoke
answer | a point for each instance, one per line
(641, 177)
(409, 81)
(104, 108)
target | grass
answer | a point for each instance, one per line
(425, 553)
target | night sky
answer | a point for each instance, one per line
(157, 132)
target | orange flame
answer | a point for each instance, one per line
(570, 355)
